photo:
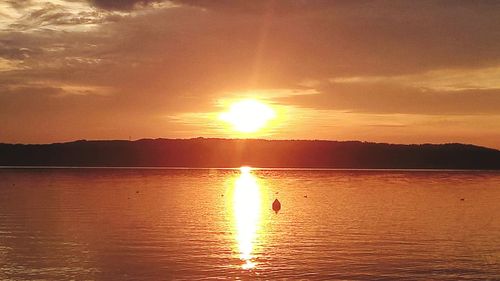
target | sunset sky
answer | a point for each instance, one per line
(384, 71)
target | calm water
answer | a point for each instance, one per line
(139, 224)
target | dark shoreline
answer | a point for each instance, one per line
(238, 168)
(231, 153)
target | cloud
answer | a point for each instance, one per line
(169, 48)
(121, 4)
(7, 51)
(51, 16)
(257, 6)
(337, 39)
(19, 4)
(391, 98)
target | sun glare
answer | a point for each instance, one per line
(247, 212)
(248, 116)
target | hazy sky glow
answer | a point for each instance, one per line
(385, 71)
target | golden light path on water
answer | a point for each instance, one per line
(247, 199)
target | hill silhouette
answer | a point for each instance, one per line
(203, 152)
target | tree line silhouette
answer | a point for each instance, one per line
(211, 152)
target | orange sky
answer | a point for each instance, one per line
(390, 71)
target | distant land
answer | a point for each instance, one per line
(222, 153)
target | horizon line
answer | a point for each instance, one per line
(257, 139)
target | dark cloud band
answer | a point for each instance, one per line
(120, 4)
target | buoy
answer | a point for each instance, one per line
(276, 206)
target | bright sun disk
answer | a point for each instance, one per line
(248, 116)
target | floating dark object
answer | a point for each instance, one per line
(305, 196)
(462, 199)
(276, 206)
(137, 191)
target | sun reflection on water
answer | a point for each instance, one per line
(247, 214)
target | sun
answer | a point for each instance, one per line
(248, 116)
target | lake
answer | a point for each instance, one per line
(185, 224)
